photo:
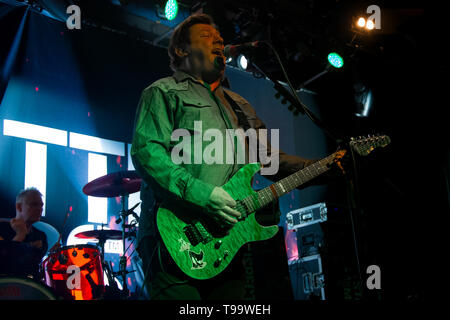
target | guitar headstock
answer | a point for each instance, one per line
(365, 145)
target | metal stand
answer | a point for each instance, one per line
(122, 183)
(123, 214)
(106, 267)
(123, 259)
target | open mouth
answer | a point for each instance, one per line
(217, 52)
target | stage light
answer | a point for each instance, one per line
(370, 25)
(36, 168)
(242, 62)
(335, 60)
(95, 144)
(171, 9)
(97, 207)
(167, 9)
(34, 132)
(361, 22)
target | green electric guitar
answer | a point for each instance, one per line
(202, 248)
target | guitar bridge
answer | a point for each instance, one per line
(196, 233)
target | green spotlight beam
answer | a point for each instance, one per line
(171, 9)
(335, 60)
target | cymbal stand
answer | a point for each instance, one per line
(106, 266)
(123, 259)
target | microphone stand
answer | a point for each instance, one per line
(300, 106)
(352, 186)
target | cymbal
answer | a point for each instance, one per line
(100, 234)
(114, 185)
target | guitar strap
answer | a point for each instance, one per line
(242, 118)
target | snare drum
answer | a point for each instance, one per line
(75, 272)
(15, 288)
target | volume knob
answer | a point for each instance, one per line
(217, 262)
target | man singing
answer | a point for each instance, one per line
(193, 93)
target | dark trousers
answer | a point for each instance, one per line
(165, 281)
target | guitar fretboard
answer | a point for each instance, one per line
(286, 185)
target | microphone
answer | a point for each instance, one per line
(128, 212)
(236, 49)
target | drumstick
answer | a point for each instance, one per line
(5, 220)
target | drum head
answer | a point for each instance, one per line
(13, 288)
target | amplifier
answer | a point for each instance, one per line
(307, 278)
(304, 242)
(306, 216)
(304, 235)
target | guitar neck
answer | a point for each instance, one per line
(286, 185)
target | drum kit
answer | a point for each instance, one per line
(75, 272)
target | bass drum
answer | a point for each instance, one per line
(75, 272)
(14, 288)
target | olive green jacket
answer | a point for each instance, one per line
(176, 102)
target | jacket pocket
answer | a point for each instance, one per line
(192, 109)
(193, 102)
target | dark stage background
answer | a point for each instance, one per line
(89, 81)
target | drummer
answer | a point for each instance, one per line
(29, 208)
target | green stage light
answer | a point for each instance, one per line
(171, 9)
(335, 60)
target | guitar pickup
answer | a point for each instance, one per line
(197, 233)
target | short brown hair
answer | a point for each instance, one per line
(180, 36)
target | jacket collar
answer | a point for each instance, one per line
(182, 76)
